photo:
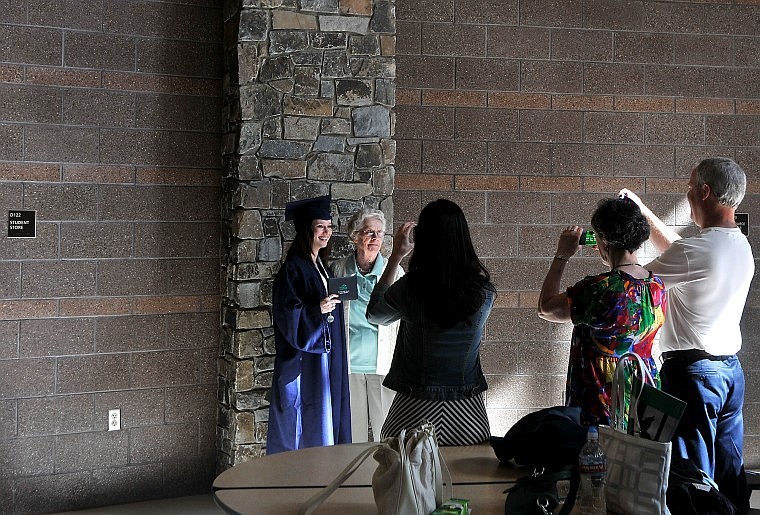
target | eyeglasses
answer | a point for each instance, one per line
(372, 234)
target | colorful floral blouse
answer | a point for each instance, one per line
(613, 313)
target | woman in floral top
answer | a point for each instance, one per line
(613, 313)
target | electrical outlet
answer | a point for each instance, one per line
(114, 419)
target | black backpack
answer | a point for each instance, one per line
(541, 492)
(549, 440)
(692, 492)
(550, 436)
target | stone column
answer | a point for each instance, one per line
(309, 89)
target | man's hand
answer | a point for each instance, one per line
(625, 192)
(660, 234)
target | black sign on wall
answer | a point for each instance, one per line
(22, 224)
(742, 221)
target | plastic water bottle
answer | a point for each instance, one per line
(592, 466)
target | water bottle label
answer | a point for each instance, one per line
(592, 467)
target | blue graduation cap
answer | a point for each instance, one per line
(317, 208)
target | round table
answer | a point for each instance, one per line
(280, 483)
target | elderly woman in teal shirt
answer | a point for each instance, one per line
(370, 347)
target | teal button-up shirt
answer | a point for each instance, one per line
(362, 334)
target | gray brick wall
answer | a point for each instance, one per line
(110, 129)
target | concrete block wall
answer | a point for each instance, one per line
(110, 129)
(527, 112)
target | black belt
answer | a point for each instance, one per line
(694, 355)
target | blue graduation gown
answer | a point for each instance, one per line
(309, 404)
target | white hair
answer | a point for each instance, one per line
(725, 177)
(357, 221)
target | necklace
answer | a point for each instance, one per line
(625, 264)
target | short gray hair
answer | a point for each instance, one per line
(356, 222)
(725, 177)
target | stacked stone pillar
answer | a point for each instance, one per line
(309, 89)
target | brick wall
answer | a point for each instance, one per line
(527, 112)
(110, 130)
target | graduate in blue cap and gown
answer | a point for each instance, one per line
(309, 404)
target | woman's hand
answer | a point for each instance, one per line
(403, 241)
(403, 244)
(552, 301)
(568, 242)
(327, 305)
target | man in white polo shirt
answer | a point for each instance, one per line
(707, 277)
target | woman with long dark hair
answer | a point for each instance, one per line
(309, 404)
(443, 303)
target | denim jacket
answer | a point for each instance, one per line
(429, 362)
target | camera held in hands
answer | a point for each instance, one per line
(588, 239)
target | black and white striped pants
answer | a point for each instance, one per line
(459, 422)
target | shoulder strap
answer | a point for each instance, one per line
(443, 485)
(313, 503)
(617, 407)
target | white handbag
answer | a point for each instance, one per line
(637, 468)
(410, 479)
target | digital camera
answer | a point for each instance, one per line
(588, 239)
